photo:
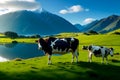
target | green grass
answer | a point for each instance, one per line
(1, 35)
(19, 40)
(62, 68)
(4, 39)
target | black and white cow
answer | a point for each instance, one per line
(59, 45)
(98, 51)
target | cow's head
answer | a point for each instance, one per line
(41, 43)
(85, 47)
(111, 51)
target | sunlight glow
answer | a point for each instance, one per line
(7, 6)
(3, 59)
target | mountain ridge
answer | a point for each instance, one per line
(103, 25)
(28, 22)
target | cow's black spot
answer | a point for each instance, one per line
(97, 52)
(90, 47)
(61, 45)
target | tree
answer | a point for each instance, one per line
(11, 34)
(92, 32)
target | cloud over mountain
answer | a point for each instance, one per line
(73, 9)
(16, 5)
(88, 20)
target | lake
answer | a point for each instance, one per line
(19, 50)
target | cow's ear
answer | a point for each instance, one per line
(111, 48)
(41, 40)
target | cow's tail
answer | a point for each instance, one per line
(78, 50)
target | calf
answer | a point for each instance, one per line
(98, 51)
(59, 45)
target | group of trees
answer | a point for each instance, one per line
(91, 32)
(13, 35)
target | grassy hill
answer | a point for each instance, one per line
(116, 32)
(62, 69)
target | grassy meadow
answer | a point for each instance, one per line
(62, 68)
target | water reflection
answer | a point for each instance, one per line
(19, 50)
(10, 45)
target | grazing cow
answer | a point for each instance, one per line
(98, 51)
(59, 45)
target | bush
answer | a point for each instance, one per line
(14, 42)
(18, 59)
(117, 33)
(91, 32)
(11, 34)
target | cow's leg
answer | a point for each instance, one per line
(90, 57)
(103, 55)
(73, 56)
(49, 59)
(106, 60)
(102, 59)
(76, 54)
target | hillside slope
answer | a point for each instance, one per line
(104, 25)
(28, 22)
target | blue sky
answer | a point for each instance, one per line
(75, 11)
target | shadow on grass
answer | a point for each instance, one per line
(101, 71)
(115, 60)
(65, 71)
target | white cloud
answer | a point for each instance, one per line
(76, 8)
(16, 5)
(63, 11)
(88, 20)
(73, 9)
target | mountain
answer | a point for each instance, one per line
(78, 26)
(28, 22)
(104, 25)
(88, 26)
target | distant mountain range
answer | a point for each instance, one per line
(46, 23)
(104, 25)
(28, 22)
(78, 26)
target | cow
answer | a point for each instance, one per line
(59, 45)
(98, 51)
